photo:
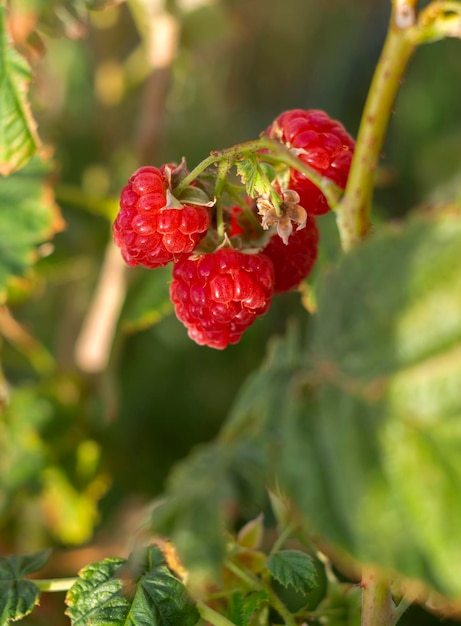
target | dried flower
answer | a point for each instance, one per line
(290, 211)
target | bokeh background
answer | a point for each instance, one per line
(106, 390)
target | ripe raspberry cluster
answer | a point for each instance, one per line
(218, 294)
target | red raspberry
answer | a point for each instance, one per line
(325, 146)
(293, 262)
(217, 296)
(148, 233)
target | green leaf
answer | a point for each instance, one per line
(18, 137)
(256, 176)
(97, 597)
(28, 217)
(148, 301)
(18, 597)
(251, 535)
(372, 446)
(293, 568)
(199, 490)
(242, 608)
(234, 469)
(136, 592)
(196, 196)
(22, 450)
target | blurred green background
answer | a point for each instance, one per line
(85, 447)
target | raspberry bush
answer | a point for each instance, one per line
(331, 493)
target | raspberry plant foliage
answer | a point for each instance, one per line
(353, 432)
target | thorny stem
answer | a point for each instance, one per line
(377, 605)
(353, 212)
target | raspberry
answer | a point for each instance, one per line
(217, 296)
(149, 233)
(293, 261)
(324, 145)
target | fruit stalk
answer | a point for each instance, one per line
(353, 212)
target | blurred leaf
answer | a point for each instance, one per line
(376, 430)
(22, 451)
(234, 470)
(148, 301)
(18, 137)
(63, 17)
(293, 568)
(71, 513)
(199, 492)
(139, 591)
(101, 4)
(242, 608)
(18, 597)
(342, 605)
(258, 410)
(251, 535)
(28, 218)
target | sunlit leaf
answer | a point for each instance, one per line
(137, 592)
(75, 512)
(22, 451)
(18, 137)
(373, 446)
(256, 176)
(18, 596)
(28, 217)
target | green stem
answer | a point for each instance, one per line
(212, 616)
(54, 584)
(201, 167)
(286, 532)
(282, 154)
(401, 608)
(277, 154)
(353, 212)
(223, 169)
(256, 583)
(377, 605)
